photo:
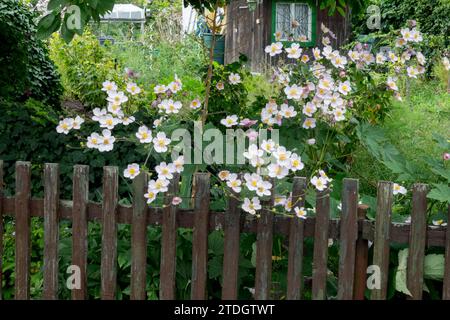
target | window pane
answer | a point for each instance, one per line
(293, 21)
(283, 20)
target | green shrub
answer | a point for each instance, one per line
(25, 66)
(432, 16)
(84, 65)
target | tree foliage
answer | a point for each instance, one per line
(24, 58)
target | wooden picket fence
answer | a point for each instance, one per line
(352, 230)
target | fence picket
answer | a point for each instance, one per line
(348, 236)
(231, 248)
(200, 237)
(80, 227)
(382, 237)
(23, 221)
(361, 258)
(109, 233)
(1, 229)
(264, 245)
(296, 237)
(446, 287)
(51, 230)
(169, 244)
(417, 241)
(320, 255)
(139, 239)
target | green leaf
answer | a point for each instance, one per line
(434, 267)
(341, 11)
(400, 275)
(66, 34)
(55, 4)
(441, 193)
(47, 25)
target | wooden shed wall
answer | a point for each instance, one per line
(250, 32)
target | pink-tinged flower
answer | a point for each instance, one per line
(247, 122)
(176, 201)
(252, 135)
(446, 156)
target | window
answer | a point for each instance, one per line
(294, 22)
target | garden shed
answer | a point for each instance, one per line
(252, 25)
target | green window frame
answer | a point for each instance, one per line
(312, 7)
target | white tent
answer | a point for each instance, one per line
(125, 12)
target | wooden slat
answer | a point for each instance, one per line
(23, 221)
(169, 244)
(361, 258)
(1, 228)
(51, 230)
(348, 236)
(296, 237)
(264, 245)
(80, 227)
(139, 239)
(382, 237)
(232, 226)
(418, 236)
(109, 233)
(446, 287)
(320, 255)
(200, 237)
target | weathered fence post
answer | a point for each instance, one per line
(109, 233)
(362, 256)
(417, 241)
(51, 230)
(169, 244)
(296, 237)
(80, 199)
(348, 236)
(264, 245)
(200, 237)
(382, 237)
(139, 239)
(320, 255)
(23, 238)
(232, 224)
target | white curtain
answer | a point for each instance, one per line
(293, 20)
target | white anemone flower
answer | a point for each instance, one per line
(65, 126)
(144, 134)
(133, 88)
(165, 171)
(106, 141)
(234, 78)
(230, 121)
(251, 206)
(132, 171)
(398, 189)
(160, 142)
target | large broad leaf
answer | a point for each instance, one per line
(56, 4)
(48, 24)
(441, 193)
(400, 275)
(433, 269)
(434, 266)
(66, 34)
